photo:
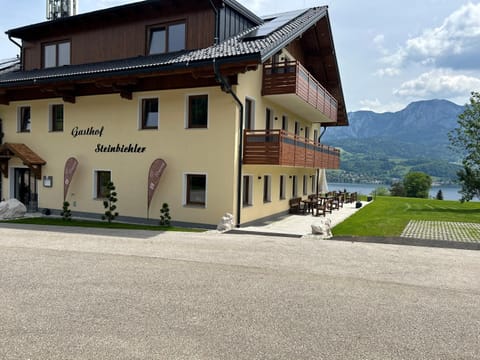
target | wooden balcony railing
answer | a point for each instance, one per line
(292, 78)
(278, 147)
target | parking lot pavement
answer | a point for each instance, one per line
(137, 295)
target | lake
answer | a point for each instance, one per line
(450, 192)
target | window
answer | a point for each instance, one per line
(56, 117)
(57, 54)
(283, 179)
(249, 114)
(314, 183)
(168, 38)
(267, 185)
(247, 190)
(315, 135)
(305, 186)
(149, 114)
(23, 119)
(297, 128)
(196, 190)
(102, 178)
(307, 132)
(198, 111)
(268, 119)
(294, 186)
(284, 123)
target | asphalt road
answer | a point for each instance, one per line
(102, 295)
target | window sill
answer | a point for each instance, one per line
(195, 206)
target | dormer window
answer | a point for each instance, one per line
(167, 38)
(56, 54)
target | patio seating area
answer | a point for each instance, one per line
(321, 204)
(300, 224)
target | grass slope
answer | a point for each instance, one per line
(51, 221)
(388, 216)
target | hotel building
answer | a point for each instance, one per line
(231, 104)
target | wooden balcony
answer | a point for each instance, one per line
(289, 84)
(278, 147)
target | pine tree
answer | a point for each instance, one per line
(165, 215)
(109, 203)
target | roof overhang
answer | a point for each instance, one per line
(123, 77)
(24, 153)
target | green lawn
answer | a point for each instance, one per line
(53, 221)
(388, 216)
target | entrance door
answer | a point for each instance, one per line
(26, 189)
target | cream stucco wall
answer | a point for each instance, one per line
(250, 85)
(211, 151)
(205, 151)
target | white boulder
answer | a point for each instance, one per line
(226, 223)
(12, 209)
(322, 229)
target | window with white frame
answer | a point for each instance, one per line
(247, 185)
(149, 113)
(267, 188)
(24, 119)
(249, 114)
(283, 187)
(56, 115)
(100, 183)
(197, 111)
(196, 189)
(314, 183)
(285, 123)
(305, 185)
(294, 186)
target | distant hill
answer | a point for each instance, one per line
(383, 147)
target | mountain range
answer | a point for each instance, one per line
(385, 146)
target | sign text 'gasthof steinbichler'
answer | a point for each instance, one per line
(130, 148)
(91, 131)
(109, 148)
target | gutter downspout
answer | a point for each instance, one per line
(227, 88)
(21, 50)
(217, 23)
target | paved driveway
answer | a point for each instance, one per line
(106, 295)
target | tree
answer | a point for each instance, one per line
(397, 189)
(165, 215)
(380, 191)
(417, 184)
(465, 138)
(109, 203)
(66, 212)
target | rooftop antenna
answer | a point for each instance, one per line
(60, 8)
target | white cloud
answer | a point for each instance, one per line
(438, 83)
(389, 71)
(377, 106)
(455, 43)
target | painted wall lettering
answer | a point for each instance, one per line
(130, 148)
(91, 131)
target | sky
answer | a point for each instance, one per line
(389, 52)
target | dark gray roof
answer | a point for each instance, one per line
(230, 50)
(9, 65)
